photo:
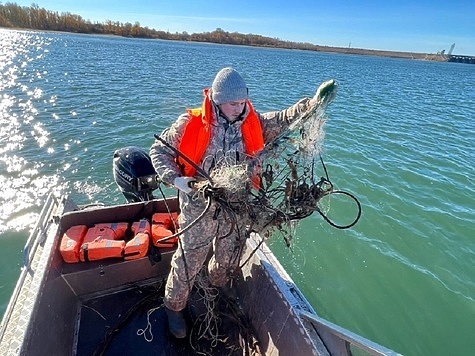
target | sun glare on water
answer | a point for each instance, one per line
(22, 134)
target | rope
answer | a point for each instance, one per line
(148, 328)
(358, 215)
(190, 225)
(125, 318)
(209, 326)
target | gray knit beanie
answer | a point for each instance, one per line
(228, 86)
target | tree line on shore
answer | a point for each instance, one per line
(36, 18)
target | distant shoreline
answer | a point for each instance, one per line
(382, 53)
(317, 48)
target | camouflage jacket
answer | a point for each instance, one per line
(226, 140)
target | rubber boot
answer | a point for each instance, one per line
(176, 323)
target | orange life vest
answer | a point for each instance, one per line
(106, 240)
(164, 225)
(138, 246)
(197, 134)
(103, 241)
(71, 243)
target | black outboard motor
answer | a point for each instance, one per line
(134, 174)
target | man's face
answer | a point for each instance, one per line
(233, 109)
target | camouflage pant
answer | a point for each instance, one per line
(194, 246)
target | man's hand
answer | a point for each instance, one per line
(325, 93)
(184, 184)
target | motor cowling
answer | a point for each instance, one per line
(134, 174)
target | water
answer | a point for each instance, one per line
(400, 135)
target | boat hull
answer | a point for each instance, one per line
(57, 306)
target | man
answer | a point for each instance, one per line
(226, 130)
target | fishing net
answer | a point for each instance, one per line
(220, 325)
(281, 185)
(292, 178)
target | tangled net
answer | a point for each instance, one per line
(228, 177)
(220, 320)
(290, 189)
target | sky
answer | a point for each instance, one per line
(424, 26)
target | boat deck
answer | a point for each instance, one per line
(133, 321)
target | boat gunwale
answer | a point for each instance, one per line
(36, 237)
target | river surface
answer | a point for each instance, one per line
(400, 135)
